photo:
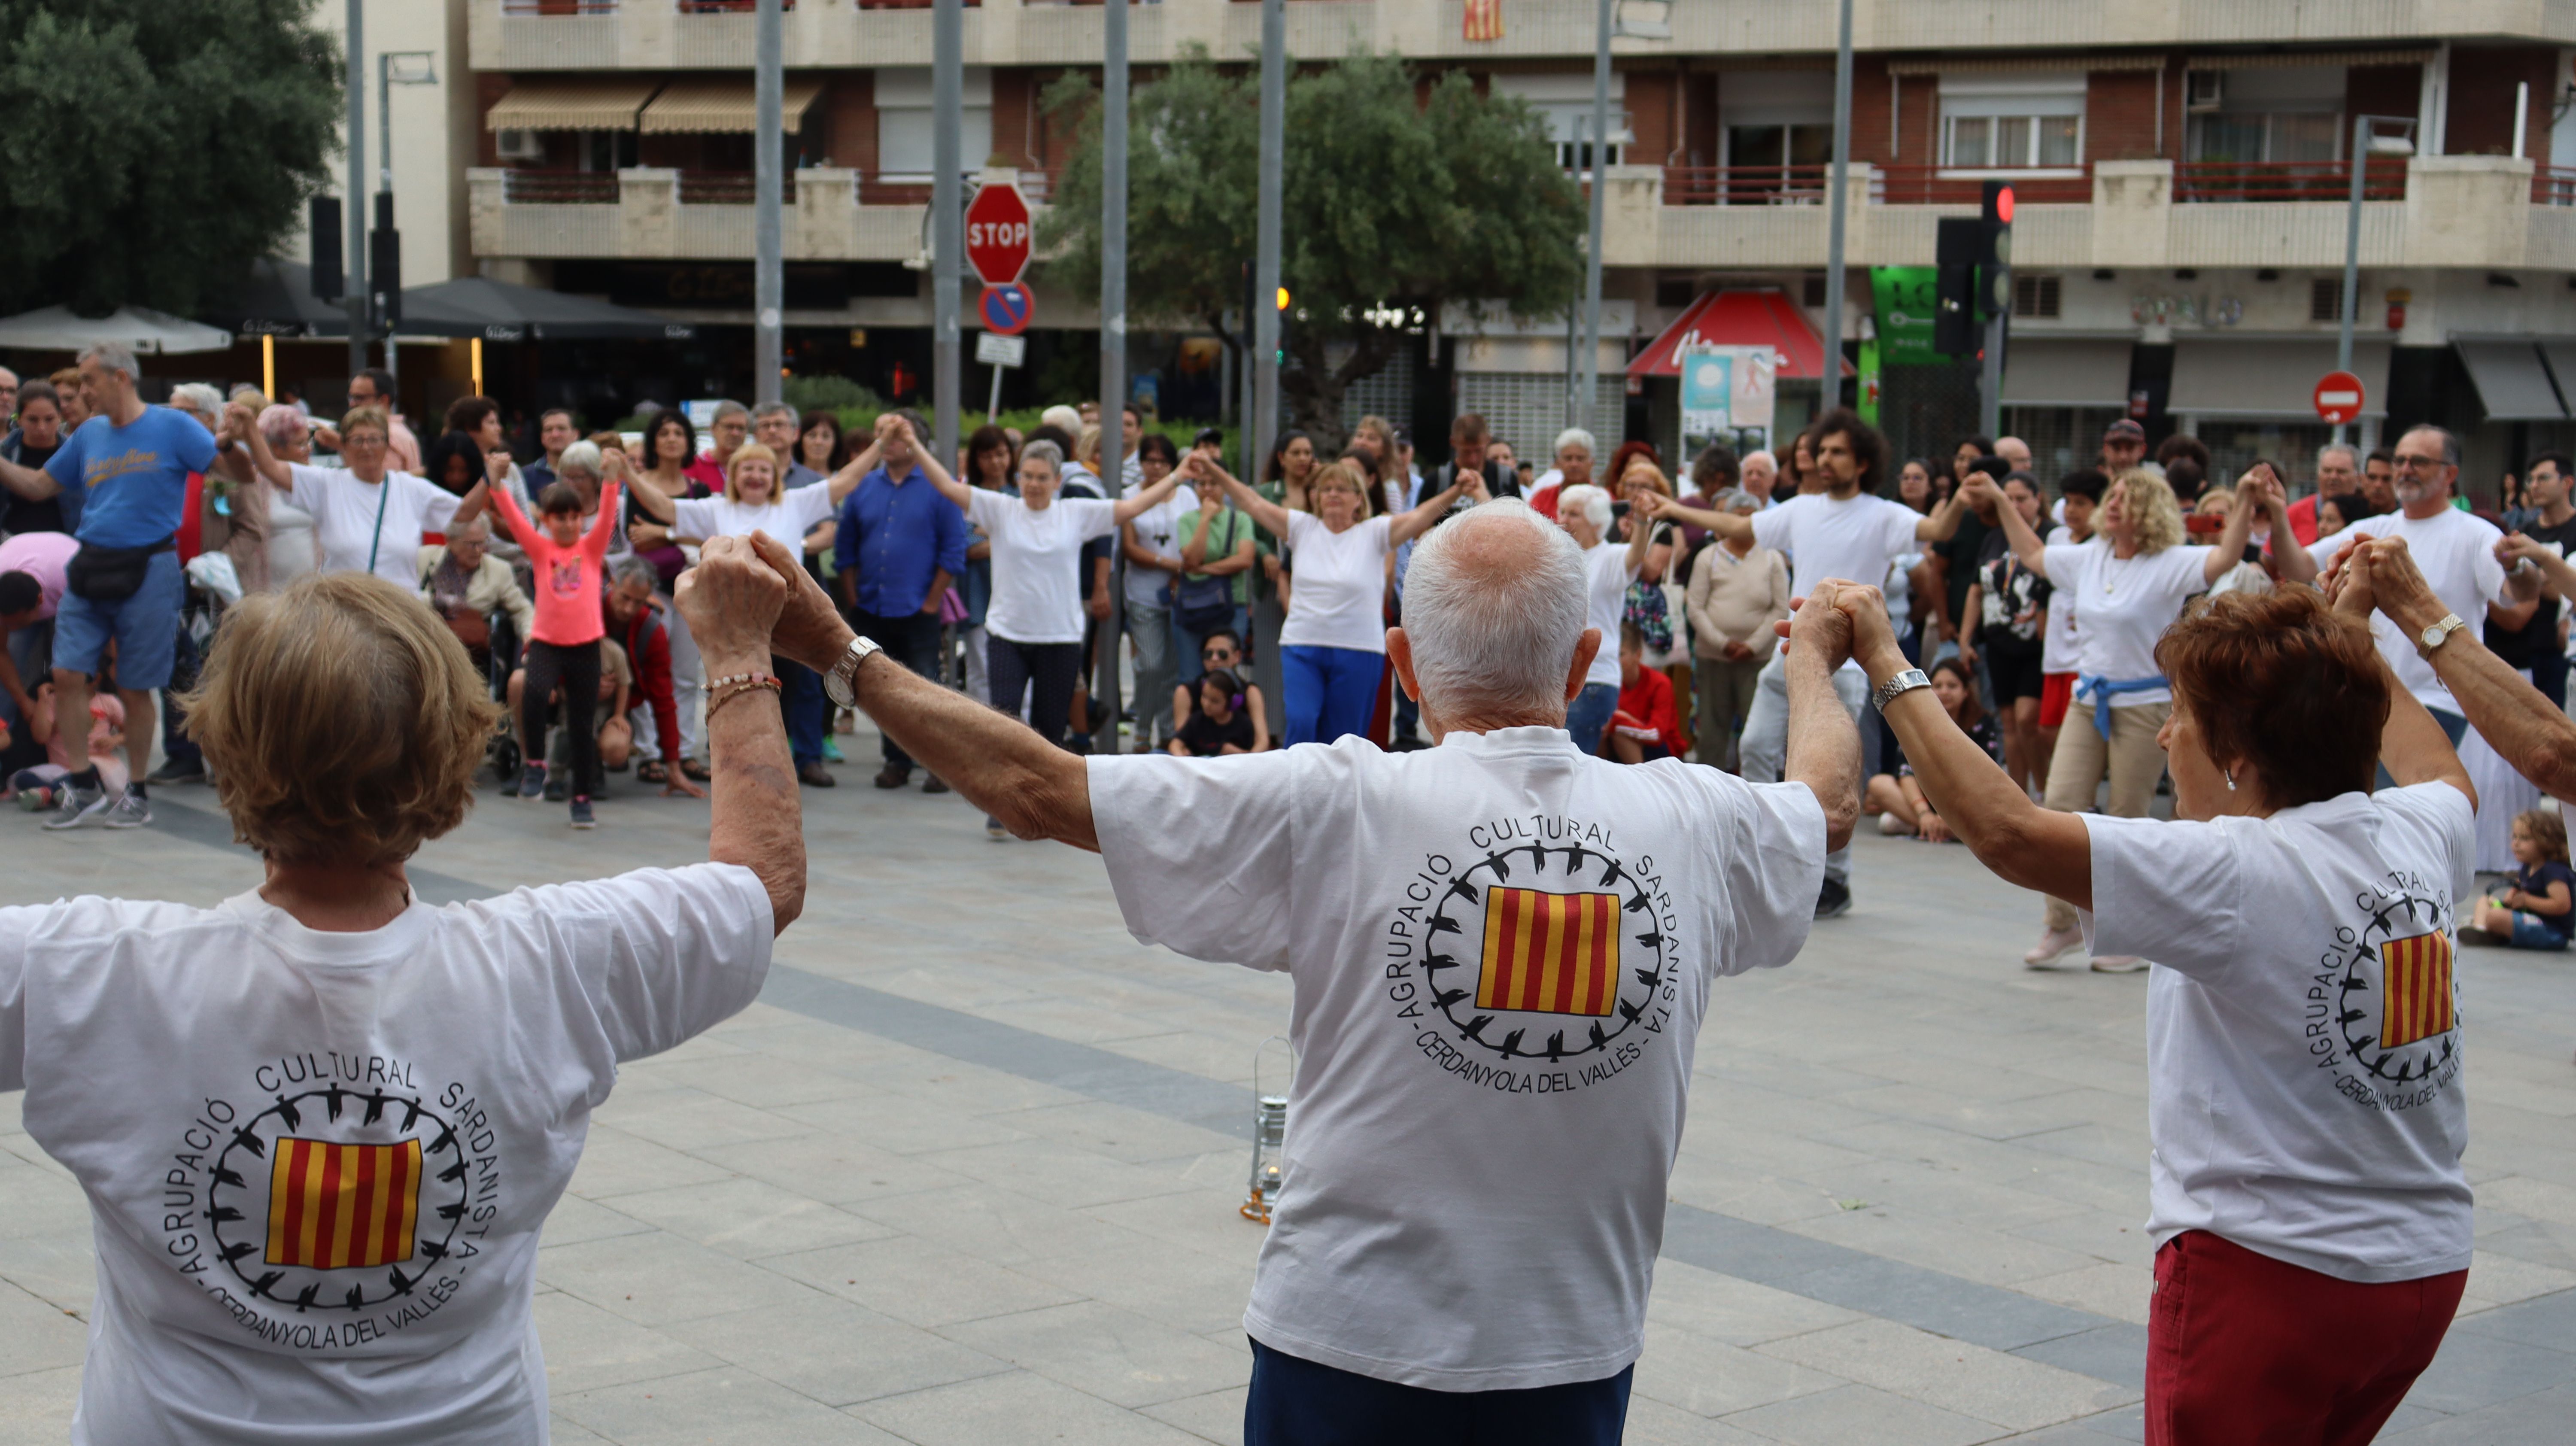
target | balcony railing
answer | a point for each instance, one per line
(531, 187)
(1744, 185)
(2383, 179)
(1947, 186)
(558, 7)
(730, 188)
(727, 7)
(2553, 185)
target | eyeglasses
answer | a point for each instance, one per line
(1215, 655)
(2409, 464)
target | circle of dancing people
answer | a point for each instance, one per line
(2307, 702)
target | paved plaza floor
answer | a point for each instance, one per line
(967, 1174)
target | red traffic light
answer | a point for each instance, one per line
(2003, 205)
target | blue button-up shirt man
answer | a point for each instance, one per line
(898, 546)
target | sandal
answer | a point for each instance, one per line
(650, 771)
(696, 771)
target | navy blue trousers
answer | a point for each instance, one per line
(1297, 1402)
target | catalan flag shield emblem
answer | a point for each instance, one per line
(2414, 989)
(333, 1206)
(1550, 953)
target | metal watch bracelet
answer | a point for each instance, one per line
(1903, 683)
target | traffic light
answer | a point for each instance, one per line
(1954, 306)
(1284, 315)
(1994, 250)
(384, 265)
(324, 248)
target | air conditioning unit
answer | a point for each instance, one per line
(519, 145)
(2204, 90)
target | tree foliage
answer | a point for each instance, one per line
(1397, 198)
(155, 149)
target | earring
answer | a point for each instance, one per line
(2231, 779)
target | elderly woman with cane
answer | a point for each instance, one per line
(2304, 1095)
(318, 1184)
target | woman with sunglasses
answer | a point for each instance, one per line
(1222, 652)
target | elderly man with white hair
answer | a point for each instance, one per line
(1501, 950)
(1760, 472)
(1575, 455)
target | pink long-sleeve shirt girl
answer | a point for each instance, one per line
(568, 578)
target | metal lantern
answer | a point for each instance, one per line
(1269, 1130)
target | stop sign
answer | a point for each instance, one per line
(997, 234)
(2338, 397)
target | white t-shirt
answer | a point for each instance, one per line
(387, 518)
(2062, 645)
(1338, 596)
(2124, 604)
(316, 1182)
(797, 511)
(1606, 576)
(1854, 539)
(1038, 584)
(1157, 527)
(2304, 1097)
(1501, 951)
(2455, 551)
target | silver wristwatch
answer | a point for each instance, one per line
(841, 681)
(2434, 636)
(1905, 682)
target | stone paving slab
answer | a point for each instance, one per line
(967, 1173)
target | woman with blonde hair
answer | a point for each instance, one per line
(2127, 592)
(753, 502)
(1332, 645)
(368, 1102)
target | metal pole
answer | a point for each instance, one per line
(2352, 252)
(1113, 365)
(768, 266)
(355, 282)
(1265, 267)
(385, 192)
(947, 216)
(1590, 370)
(1834, 227)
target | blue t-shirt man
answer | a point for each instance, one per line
(129, 484)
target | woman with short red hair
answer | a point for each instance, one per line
(2311, 1220)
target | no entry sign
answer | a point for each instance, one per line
(2339, 397)
(1006, 309)
(997, 234)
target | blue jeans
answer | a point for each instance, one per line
(1331, 691)
(1297, 1402)
(806, 708)
(2530, 933)
(1589, 713)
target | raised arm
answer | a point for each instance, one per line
(1944, 521)
(245, 427)
(1000, 764)
(1727, 525)
(1641, 540)
(2555, 575)
(1144, 499)
(1417, 519)
(732, 600)
(2022, 842)
(2295, 563)
(2025, 541)
(2515, 718)
(1824, 747)
(656, 504)
(1262, 510)
(33, 483)
(602, 529)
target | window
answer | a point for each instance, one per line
(1780, 145)
(2267, 114)
(2035, 296)
(2008, 122)
(1565, 100)
(904, 131)
(2325, 299)
(1811, 288)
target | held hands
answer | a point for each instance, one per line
(809, 629)
(1826, 622)
(732, 600)
(1980, 491)
(2388, 580)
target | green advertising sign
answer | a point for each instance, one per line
(1905, 297)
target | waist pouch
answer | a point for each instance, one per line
(110, 574)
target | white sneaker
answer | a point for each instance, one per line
(2054, 945)
(1892, 826)
(78, 805)
(127, 810)
(2118, 964)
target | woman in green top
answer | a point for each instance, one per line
(1218, 557)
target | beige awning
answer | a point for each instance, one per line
(570, 105)
(2282, 59)
(1964, 64)
(705, 107)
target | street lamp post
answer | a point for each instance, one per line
(393, 67)
(1113, 365)
(947, 217)
(2364, 146)
(1590, 369)
(768, 267)
(354, 291)
(1840, 198)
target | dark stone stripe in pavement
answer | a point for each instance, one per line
(1911, 1295)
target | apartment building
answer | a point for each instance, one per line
(2182, 169)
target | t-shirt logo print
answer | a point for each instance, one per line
(2381, 1012)
(1546, 964)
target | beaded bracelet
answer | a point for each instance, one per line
(746, 683)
